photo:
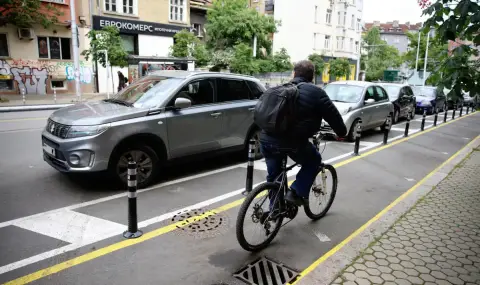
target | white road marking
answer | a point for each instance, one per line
(322, 237)
(403, 129)
(445, 152)
(115, 230)
(409, 179)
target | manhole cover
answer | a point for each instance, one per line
(193, 225)
(265, 271)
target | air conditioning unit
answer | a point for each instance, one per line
(24, 33)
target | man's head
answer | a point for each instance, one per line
(305, 69)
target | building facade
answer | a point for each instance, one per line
(394, 33)
(330, 28)
(38, 61)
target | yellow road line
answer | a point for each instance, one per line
(376, 217)
(160, 231)
(21, 120)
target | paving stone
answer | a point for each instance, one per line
(422, 269)
(460, 270)
(438, 275)
(427, 277)
(467, 278)
(381, 262)
(403, 282)
(415, 280)
(411, 272)
(371, 264)
(360, 266)
(433, 266)
(361, 274)
(375, 279)
(449, 272)
(455, 280)
(385, 269)
(387, 277)
(399, 274)
(443, 282)
(362, 281)
(350, 269)
(393, 259)
(349, 283)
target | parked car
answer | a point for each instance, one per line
(403, 99)
(359, 100)
(467, 100)
(452, 101)
(429, 98)
(159, 119)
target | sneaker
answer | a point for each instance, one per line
(293, 198)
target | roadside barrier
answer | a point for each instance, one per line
(445, 114)
(23, 96)
(358, 134)
(387, 129)
(422, 126)
(407, 125)
(454, 109)
(132, 231)
(436, 117)
(461, 110)
(251, 160)
(55, 95)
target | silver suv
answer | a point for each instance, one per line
(160, 118)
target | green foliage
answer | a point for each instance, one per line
(186, 45)
(106, 39)
(319, 64)
(452, 20)
(380, 56)
(436, 51)
(230, 22)
(26, 13)
(243, 61)
(281, 61)
(339, 67)
(265, 65)
(221, 59)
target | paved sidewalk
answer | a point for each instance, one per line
(17, 100)
(436, 242)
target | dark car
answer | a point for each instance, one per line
(429, 98)
(453, 101)
(403, 99)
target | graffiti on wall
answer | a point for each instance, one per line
(32, 75)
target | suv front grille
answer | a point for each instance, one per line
(57, 129)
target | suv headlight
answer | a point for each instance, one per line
(85, 131)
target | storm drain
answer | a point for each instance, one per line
(266, 272)
(190, 222)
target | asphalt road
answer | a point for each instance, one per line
(47, 217)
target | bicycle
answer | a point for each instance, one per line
(284, 209)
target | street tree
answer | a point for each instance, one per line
(188, 45)
(230, 22)
(108, 39)
(281, 61)
(319, 64)
(242, 61)
(339, 67)
(26, 13)
(457, 21)
(380, 56)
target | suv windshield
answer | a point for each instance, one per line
(147, 92)
(425, 91)
(392, 91)
(344, 93)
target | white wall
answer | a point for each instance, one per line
(105, 86)
(154, 45)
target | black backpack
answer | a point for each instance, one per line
(275, 111)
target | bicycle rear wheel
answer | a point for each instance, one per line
(322, 193)
(253, 210)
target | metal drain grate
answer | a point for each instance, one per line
(209, 223)
(266, 272)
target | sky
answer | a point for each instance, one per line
(390, 10)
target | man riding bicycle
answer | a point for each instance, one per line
(312, 105)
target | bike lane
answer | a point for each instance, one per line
(185, 256)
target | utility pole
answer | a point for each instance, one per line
(418, 49)
(426, 59)
(76, 62)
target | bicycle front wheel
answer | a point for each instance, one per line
(256, 225)
(322, 193)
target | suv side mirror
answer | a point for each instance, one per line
(369, 101)
(181, 103)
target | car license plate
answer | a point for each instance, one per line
(48, 149)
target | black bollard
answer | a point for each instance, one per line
(436, 117)
(251, 159)
(468, 108)
(358, 134)
(387, 129)
(461, 110)
(407, 125)
(454, 109)
(132, 231)
(422, 126)
(445, 114)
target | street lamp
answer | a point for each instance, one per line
(107, 65)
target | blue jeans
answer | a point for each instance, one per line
(304, 154)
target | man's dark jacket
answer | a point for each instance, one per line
(313, 105)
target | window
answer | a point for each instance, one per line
(255, 89)
(111, 5)
(359, 25)
(128, 6)
(317, 41)
(352, 24)
(58, 84)
(328, 18)
(232, 90)
(177, 10)
(197, 30)
(327, 42)
(344, 93)
(200, 92)
(344, 19)
(54, 48)
(357, 47)
(370, 94)
(380, 94)
(351, 45)
(129, 43)
(339, 20)
(316, 14)
(3, 46)
(340, 43)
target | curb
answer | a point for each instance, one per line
(346, 251)
(33, 108)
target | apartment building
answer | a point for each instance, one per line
(331, 28)
(394, 33)
(37, 61)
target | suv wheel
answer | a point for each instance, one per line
(147, 164)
